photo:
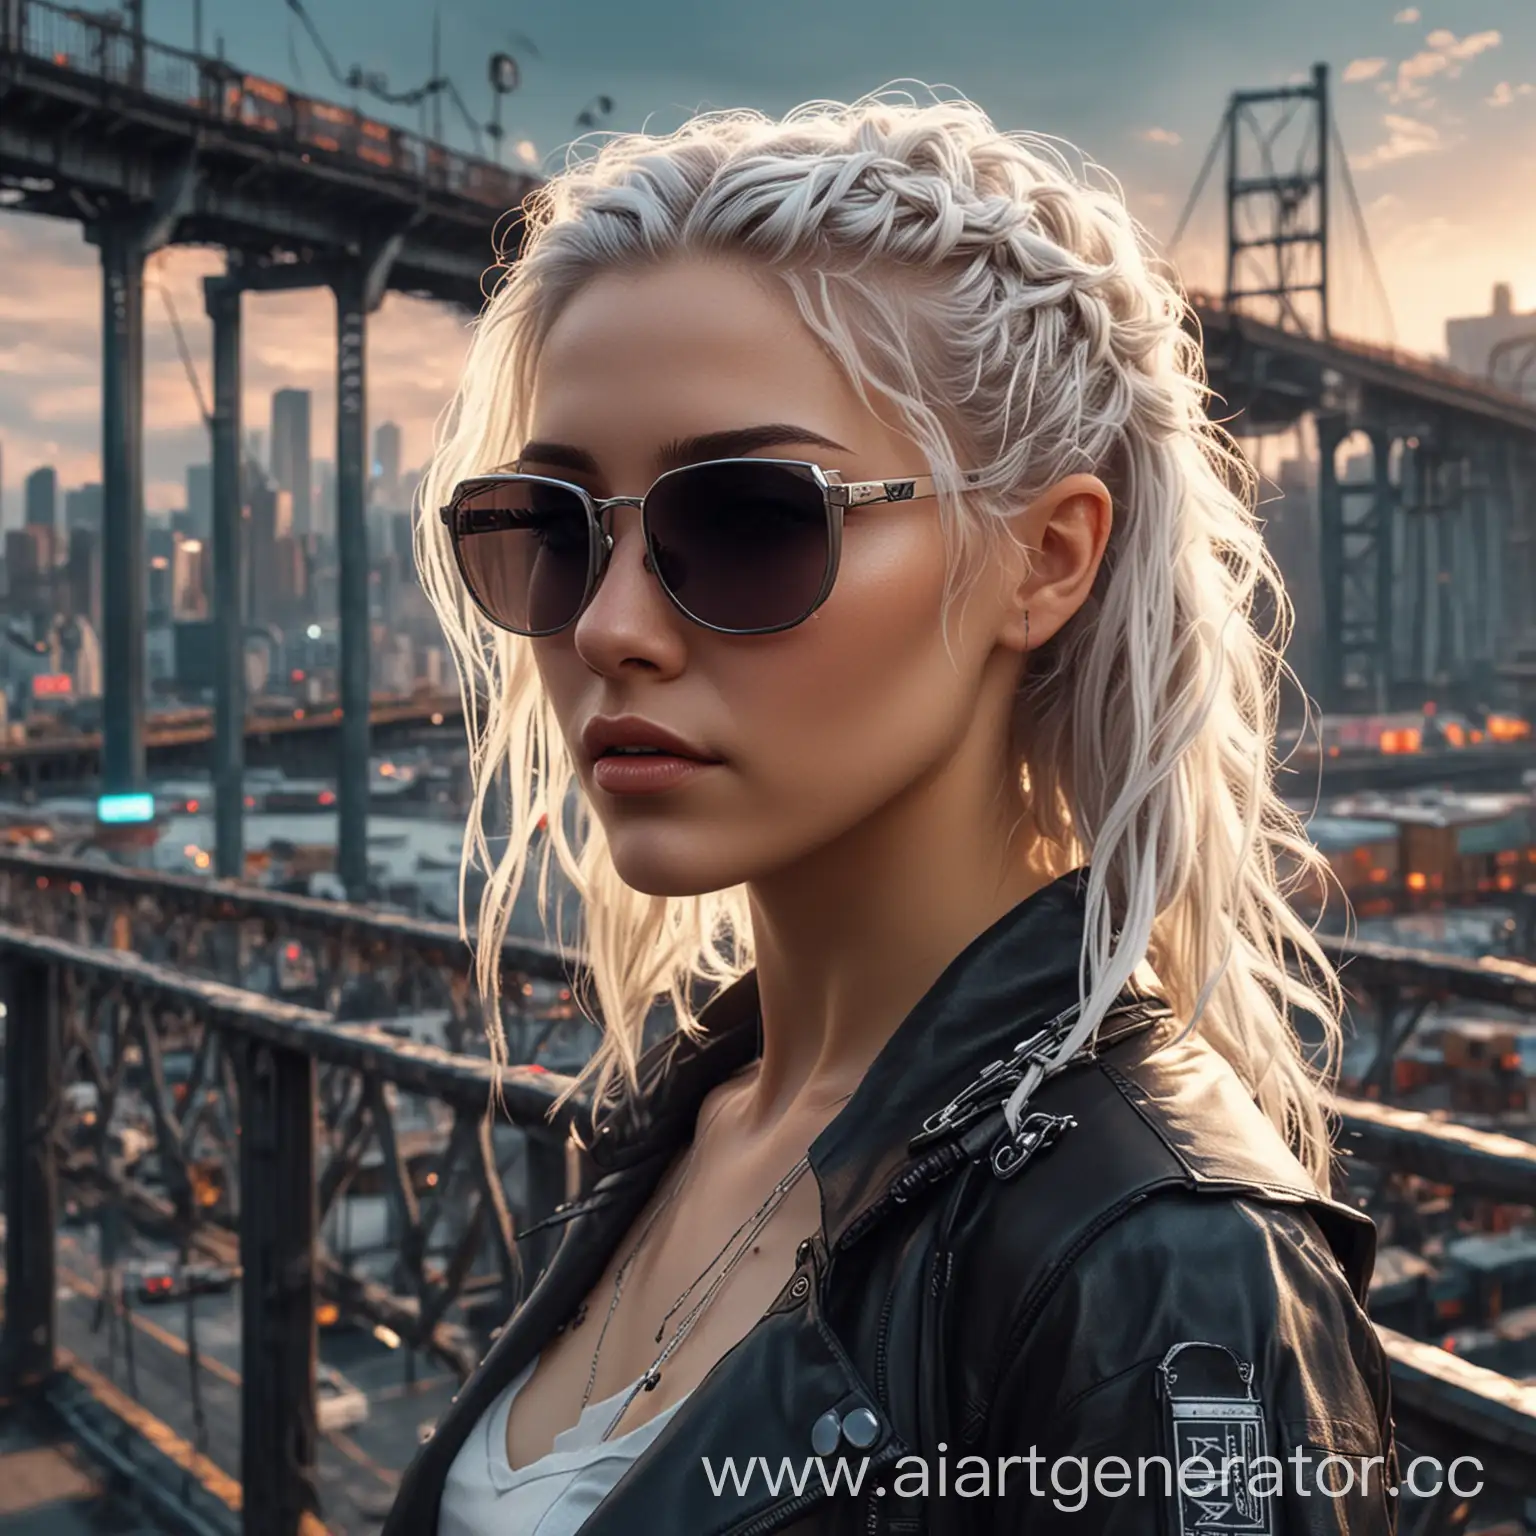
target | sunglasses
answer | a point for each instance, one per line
(740, 546)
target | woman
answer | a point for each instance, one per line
(833, 502)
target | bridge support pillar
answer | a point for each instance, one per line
(126, 237)
(359, 291)
(277, 1289)
(352, 585)
(122, 521)
(31, 1181)
(1331, 431)
(1384, 518)
(222, 297)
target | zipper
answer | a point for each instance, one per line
(996, 1081)
(882, 1396)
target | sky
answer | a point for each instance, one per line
(1435, 103)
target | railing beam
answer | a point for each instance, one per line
(277, 1291)
(31, 1174)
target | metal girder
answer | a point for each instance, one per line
(32, 1077)
(278, 1434)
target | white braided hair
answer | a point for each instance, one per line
(994, 293)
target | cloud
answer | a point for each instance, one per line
(1408, 17)
(1504, 93)
(1160, 136)
(1406, 137)
(1467, 47)
(1445, 53)
(50, 361)
(1363, 69)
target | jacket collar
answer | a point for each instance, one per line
(1013, 977)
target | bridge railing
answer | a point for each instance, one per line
(101, 48)
(232, 1125)
(117, 970)
(350, 961)
(1394, 357)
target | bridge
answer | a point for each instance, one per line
(200, 1071)
(304, 739)
(283, 1014)
(1424, 565)
(149, 146)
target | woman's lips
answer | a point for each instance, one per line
(645, 773)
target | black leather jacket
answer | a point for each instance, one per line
(1163, 1280)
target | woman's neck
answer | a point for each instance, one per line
(848, 942)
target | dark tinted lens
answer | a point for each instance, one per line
(740, 546)
(525, 549)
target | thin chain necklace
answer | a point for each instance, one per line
(743, 1238)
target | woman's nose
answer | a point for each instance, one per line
(629, 619)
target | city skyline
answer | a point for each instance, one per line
(1437, 105)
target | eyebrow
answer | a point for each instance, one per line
(732, 443)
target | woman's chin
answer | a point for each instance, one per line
(673, 871)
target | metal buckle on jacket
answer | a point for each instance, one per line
(1036, 1132)
(996, 1082)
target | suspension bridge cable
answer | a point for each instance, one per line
(186, 355)
(1341, 155)
(190, 366)
(1199, 187)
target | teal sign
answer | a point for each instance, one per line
(121, 810)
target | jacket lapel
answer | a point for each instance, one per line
(761, 1438)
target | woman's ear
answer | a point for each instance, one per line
(1059, 540)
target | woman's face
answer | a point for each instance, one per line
(811, 731)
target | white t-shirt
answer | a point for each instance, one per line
(552, 1496)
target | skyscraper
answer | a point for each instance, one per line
(386, 464)
(42, 497)
(291, 467)
(200, 499)
(82, 509)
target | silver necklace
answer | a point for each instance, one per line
(743, 1238)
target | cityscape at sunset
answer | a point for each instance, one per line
(1050, 844)
(1436, 106)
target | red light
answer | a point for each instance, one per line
(297, 675)
(292, 952)
(327, 797)
(192, 805)
(250, 802)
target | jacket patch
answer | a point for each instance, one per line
(1222, 1474)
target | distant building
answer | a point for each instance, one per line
(29, 571)
(324, 511)
(191, 579)
(42, 498)
(200, 500)
(291, 467)
(1469, 342)
(83, 575)
(262, 511)
(1290, 531)
(82, 509)
(386, 465)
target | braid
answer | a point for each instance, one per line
(998, 297)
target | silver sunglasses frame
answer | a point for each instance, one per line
(837, 498)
